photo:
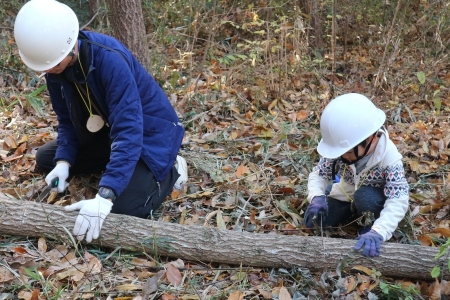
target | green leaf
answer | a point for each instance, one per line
(447, 243)
(384, 287)
(32, 273)
(174, 79)
(435, 272)
(239, 276)
(436, 92)
(437, 105)
(442, 251)
(421, 77)
(231, 57)
(242, 56)
(38, 91)
(220, 221)
(290, 210)
(35, 101)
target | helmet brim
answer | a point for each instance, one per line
(332, 152)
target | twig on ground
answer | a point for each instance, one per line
(206, 291)
(209, 217)
(242, 211)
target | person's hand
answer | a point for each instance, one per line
(318, 206)
(90, 218)
(371, 241)
(61, 170)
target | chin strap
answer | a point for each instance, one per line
(355, 152)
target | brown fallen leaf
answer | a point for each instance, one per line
(302, 114)
(151, 285)
(284, 294)
(435, 290)
(95, 265)
(42, 245)
(236, 295)
(444, 231)
(265, 294)
(168, 297)
(5, 275)
(173, 275)
(445, 287)
(350, 284)
(72, 273)
(241, 171)
(52, 198)
(127, 287)
(20, 250)
(362, 269)
(35, 295)
(175, 194)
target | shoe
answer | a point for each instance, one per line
(182, 169)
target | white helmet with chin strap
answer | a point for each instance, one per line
(45, 32)
(347, 121)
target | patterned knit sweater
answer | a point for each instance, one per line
(384, 169)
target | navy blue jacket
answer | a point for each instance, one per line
(143, 124)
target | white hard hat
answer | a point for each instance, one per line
(347, 121)
(45, 32)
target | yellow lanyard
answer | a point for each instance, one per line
(89, 108)
(342, 188)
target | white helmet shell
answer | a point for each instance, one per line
(347, 121)
(45, 32)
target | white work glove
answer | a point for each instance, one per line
(61, 170)
(90, 218)
(182, 169)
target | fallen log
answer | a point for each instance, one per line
(195, 243)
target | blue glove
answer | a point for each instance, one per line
(318, 206)
(372, 241)
(336, 179)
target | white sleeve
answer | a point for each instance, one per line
(397, 192)
(319, 178)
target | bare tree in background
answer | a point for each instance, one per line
(93, 7)
(311, 8)
(127, 22)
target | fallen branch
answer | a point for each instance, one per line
(26, 218)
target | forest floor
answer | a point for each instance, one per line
(251, 112)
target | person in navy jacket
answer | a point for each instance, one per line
(112, 117)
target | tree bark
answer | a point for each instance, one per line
(311, 8)
(93, 7)
(127, 22)
(26, 218)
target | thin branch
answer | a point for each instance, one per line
(92, 19)
(380, 71)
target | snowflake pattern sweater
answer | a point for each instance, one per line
(384, 169)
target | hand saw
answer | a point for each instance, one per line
(44, 194)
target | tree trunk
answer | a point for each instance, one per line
(127, 22)
(93, 7)
(311, 8)
(26, 218)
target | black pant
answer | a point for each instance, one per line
(366, 199)
(142, 195)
